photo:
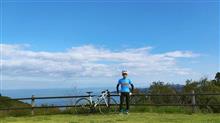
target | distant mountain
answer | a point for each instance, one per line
(178, 87)
(143, 90)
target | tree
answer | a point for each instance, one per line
(162, 88)
(203, 86)
(217, 76)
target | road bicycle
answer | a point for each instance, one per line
(104, 103)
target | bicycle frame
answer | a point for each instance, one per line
(103, 96)
(103, 103)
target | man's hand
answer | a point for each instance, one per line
(119, 94)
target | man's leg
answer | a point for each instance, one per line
(127, 101)
(121, 101)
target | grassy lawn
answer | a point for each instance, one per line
(116, 118)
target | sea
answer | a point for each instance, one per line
(26, 93)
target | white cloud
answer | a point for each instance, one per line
(178, 54)
(89, 61)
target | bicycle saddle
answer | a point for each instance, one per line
(104, 91)
(89, 92)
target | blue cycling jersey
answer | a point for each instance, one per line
(125, 84)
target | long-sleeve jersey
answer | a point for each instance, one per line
(125, 85)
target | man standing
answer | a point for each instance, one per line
(125, 91)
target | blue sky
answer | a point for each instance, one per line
(160, 27)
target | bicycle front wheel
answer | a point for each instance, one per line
(83, 106)
(110, 107)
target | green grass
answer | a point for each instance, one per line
(116, 118)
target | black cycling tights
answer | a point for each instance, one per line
(126, 96)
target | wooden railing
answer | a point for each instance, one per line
(193, 103)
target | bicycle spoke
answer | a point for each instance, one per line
(111, 108)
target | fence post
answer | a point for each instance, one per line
(149, 99)
(32, 104)
(108, 99)
(193, 101)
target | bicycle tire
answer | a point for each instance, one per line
(112, 108)
(83, 106)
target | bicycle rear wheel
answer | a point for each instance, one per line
(83, 106)
(111, 108)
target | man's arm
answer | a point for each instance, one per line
(132, 87)
(117, 88)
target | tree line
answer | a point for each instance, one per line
(204, 85)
